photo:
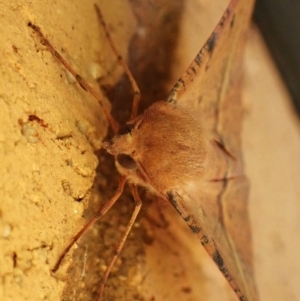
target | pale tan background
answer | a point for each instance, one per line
(48, 168)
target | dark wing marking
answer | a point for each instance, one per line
(211, 84)
(216, 211)
(218, 217)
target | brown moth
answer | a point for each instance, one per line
(187, 153)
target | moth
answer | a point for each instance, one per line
(186, 150)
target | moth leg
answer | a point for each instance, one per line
(100, 212)
(136, 90)
(83, 84)
(160, 220)
(138, 204)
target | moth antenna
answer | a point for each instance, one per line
(84, 85)
(100, 212)
(135, 88)
(138, 204)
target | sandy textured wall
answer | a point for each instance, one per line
(50, 130)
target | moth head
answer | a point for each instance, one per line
(124, 147)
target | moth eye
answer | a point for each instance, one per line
(125, 129)
(126, 161)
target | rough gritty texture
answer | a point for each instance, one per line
(48, 165)
(50, 130)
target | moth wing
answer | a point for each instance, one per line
(217, 214)
(217, 210)
(211, 84)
